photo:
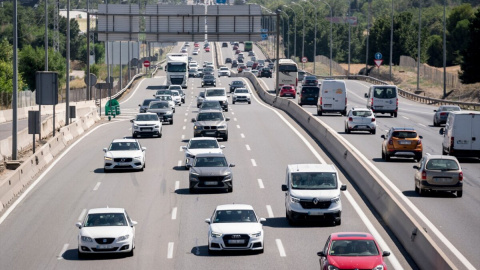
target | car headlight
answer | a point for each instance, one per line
(216, 235)
(135, 125)
(169, 113)
(221, 127)
(139, 157)
(294, 199)
(124, 237)
(227, 177)
(157, 126)
(108, 158)
(331, 267)
(378, 267)
(197, 127)
(257, 234)
(86, 239)
(335, 199)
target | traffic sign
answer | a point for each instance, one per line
(378, 56)
(146, 63)
(93, 79)
(304, 59)
(378, 62)
(264, 36)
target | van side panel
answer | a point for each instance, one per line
(463, 131)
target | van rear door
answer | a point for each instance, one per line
(333, 96)
(462, 133)
(384, 98)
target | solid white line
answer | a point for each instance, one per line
(242, 135)
(270, 212)
(60, 257)
(174, 213)
(254, 163)
(82, 215)
(260, 183)
(177, 185)
(97, 186)
(247, 146)
(238, 126)
(280, 248)
(34, 184)
(170, 250)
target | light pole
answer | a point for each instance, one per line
(295, 32)
(349, 38)
(419, 45)
(444, 50)
(288, 30)
(391, 44)
(368, 36)
(315, 38)
(303, 38)
(331, 35)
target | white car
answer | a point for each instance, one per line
(146, 124)
(241, 95)
(224, 71)
(200, 145)
(235, 227)
(193, 65)
(106, 230)
(255, 72)
(195, 52)
(168, 98)
(176, 97)
(360, 119)
(124, 154)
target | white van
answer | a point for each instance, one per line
(383, 99)
(461, 135)
(332, 97)
(312, 192)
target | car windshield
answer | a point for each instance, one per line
(159, 105)
(146, 117)
(146, 102)
(200, 144)
(210, 162)
(449, 109)
(234, 216)
(175, 93)
(362, 113)
(442, 165)
(211, 105)
(310, 90)
(210, 116)
(224, 68)
(163, 92)
(215, 93)
(201, 94)
(287, 68)
(208, 77)
(237, 83)
(171, 67)
(404, 134)
(314, 180)
(353, 248)
(241, 91)
(167, 98)
(123, 146)
(105, 219)
(389, 92)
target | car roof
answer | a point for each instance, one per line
(311, 168)
(403, 129)
(124, 140)
(203, 139)
(465, 112)
(360, 109)
(234, 207)
(146, 113)
(209, 110)
(441, 157)
(210, 155)
(158, 101)
(351, 236)
(105, 210)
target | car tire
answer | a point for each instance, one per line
(294, 97)
(192, 190)
(130, 253)
(179, 104)
(211, 252)
(233, 102)
(418, 157)
(226, 109)
(383, 155)
(225, 138)
(434, 123)
(230, 189)
(105, 170)
(171, 122)
(337, 221)
(387, 157)
(373, 131)
(160, 135)
(391, 114)
(395, 115)
(249, 102)
(261, 250)
(319, 113)
(134, 136)
(459, 193)
(416, 188)
(421, 191)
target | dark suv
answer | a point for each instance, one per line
(236, 84)
(224, 44)
(266, 72)
(210, 123)
(310, 80)
(210, 171)
(209, 80)
(308, 95)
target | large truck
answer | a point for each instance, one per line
(177, 69)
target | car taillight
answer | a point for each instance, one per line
(460, 176)
(350, 119)
(390, 142)
(397, 102)
(419, 142)
(372, 103)
(321, 100)
(373, 119)
(424, 175)
(443, 113)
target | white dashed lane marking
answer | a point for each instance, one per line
(238, 126)
(254, 163)
(170, 250)
(247, 146)
(260, 183)
(97, 186)
(270, 212)
(177, 185)
(242, 135)
(281, 250)
(174, 213)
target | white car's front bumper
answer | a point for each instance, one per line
(124, 163)
(225, 242)
(98, 246)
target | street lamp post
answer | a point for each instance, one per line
(391, 44)
(419, 43)
(295, 31)
(331, 35)
(303, 38)
(288, 36)
(315, 38)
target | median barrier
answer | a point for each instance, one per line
(7, 190)
(56, 144)
(417, 242)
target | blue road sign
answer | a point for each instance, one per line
(264, 30)
(264, 36)
(221, 1)
(378, 56)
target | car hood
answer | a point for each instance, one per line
(106, 231)
(204, 150)
(166, 110)
(211, 123)
(241, 94)
(211, 171)
(236, 228)
(322, 195)
(115, 154)
(216, 98)
(355, 262)
(144, 123)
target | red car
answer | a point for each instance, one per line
(196, 44)
(287, 90)
(207, 49)
(235, 47)
(237, 51)
(255, 65)
(352, 250)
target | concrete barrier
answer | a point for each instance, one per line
(417, 242)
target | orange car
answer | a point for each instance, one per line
(402, 142)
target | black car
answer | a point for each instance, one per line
(310, 80)
(224, 44)
(236, 84)
(145, 104)
(200, 73)
(228, 60)
(234, 63)
(266, 72)
(308, 95)
(163, 110)
(209, 80)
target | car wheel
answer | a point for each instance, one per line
(383, 155)
(261, 250)
(391, 114)
(134, 135)
(192, 190)
(249, 102)
(434, 123)
(338, 221)
(160, 135)
(130, 254)
(459, 193)
(373, 131)
(416, 188)
(105, 170)
(233, 102)
(225, 138)
(211, 252)
(179, 104)
(183, 101)
(418, 157)
(293, 97)
(230, 189)
(387, 157)
(319, 113)
(226, 109)
(421, 191)
(171, 122)
(395, 115)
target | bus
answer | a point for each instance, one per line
(248, 46)
(287, 73)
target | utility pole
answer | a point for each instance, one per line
(419, 42)
(67, 95)
(15, 82)
(278, 55)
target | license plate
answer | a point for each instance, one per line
(315, 213)
(362, 126)
(103, 247)
(241, 241)
(146, 129)
(210, 133)
(378, 107)
(404, 142)
(210, 183)
(327, 105)
(442, 180)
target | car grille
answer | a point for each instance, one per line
(146, 125)
(104, 249)
(228, 237)
(123, 159)
(210, 127)
(320, 205)
(160, 114)
(176, 80)
(241, 97)
(104, 241)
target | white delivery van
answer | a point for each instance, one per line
(312, 192)
(383, 99)
(461, 135)
(332, 97)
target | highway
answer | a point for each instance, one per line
(39, 232)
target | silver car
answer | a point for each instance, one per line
(441, 114)
(360, 119)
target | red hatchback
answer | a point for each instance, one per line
(287, 90)
(352, 250)
(207, 49)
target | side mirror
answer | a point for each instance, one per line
(343, 187)
(207, 221)
(366, 95)
(105, 150)
(231, 165)
(434, 110)
(79, 225)
(383, 137)
(222, 146)
(416, 167)
(131, 120)
(227, 119)
(441, 131)
(321, 254)
(193, 120)
(421, 137)
(134, 223)
(386, 254)
(284, 188)
(139, 105)
(184, 148)
(262, 219)
(144, 148)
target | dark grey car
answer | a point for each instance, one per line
(145, 104)
(210, 171)
(209, 80)
(210, 123)
(161, 108)
(210, 105)
(441, 114)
